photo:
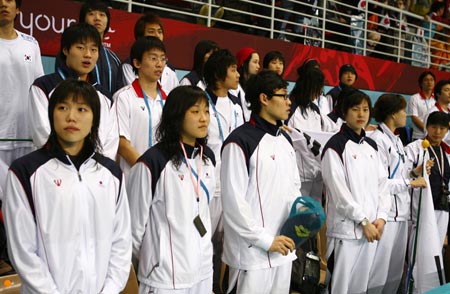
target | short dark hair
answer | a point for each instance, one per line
(423, 75)
(77, 89)
(438, 87)
(170, 127)
(142, 45)
(438, 118)
(80, 32)
(273, 55)
(201, 49)
(267, 82)
(388, 104)
(350, 97)
(98, 5)
(147, 18)
(217, 66)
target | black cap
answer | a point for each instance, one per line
(347, 68)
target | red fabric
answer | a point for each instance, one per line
(243, 54)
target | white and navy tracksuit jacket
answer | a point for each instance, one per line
(170, 250)
(39, 96)
(68, 230)
(260, 182)
(356, 184)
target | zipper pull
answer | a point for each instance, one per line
(79, 176)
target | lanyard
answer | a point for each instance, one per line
(441, 163)
(216, 114)
(109, 70)
(150, 123)
(439, 107)
(195, 176)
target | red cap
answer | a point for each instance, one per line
(243, 54)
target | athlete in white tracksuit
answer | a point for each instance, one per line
(260, 182)
(65, 206)
(386, 273)
(358, 200)
(171, 188)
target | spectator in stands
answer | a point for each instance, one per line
(339, 30)
(172, 184)
(386, 272)
(274, 61)
(237, 12)
(303, 10)
(347, 77)
(136, 127)
(358, 199)
(202, 52)
(150, 25)
(96, 13)
(247, 65)
(259, 185)
(420, 7)
(66, 207)
(420, 103)
(204, 11)
(20, 60)
(440, 51)
(80, 44)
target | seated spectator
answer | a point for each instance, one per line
(274, 61)
(202, 51)
(420, 7)
(150, 25)
(440, 51)
(304, 10)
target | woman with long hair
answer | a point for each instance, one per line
(202, 52)
(172, 184)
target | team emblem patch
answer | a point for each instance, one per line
(57, 182)
(27, 58)
(181, 177)
(143, 108)
(354, 156)
(272, 156)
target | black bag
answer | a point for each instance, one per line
(305, 276)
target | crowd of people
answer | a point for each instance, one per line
(130, 168)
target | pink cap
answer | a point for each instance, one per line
(243, 54)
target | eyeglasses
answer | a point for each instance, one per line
(154, 59)
(285, 96)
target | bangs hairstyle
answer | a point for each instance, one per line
(243, 70)
(423, 75)
(273, 55)
(79, 33)
(308, 87)
(267, 82)
(147, 18)
(77, 91)
(438, 87)
(438, 118)
(216, 68)
(201, 49)
(96, 5)
(170, 127)
(142, 45)
(386, 105)
(351, 97)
